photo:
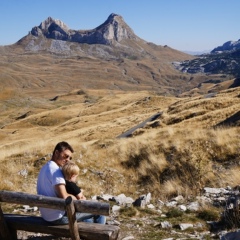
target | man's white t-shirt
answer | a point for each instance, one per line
(49, 176)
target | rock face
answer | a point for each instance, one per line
(219, 62)
(227, 46)
(224, 59)
(113, 30)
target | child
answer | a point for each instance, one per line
(71, 171)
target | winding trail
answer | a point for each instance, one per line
(141, 125)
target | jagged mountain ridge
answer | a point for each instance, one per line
(112, 30)
(113, 39)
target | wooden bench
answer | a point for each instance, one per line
(10, 223)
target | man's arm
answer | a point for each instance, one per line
(61, 191)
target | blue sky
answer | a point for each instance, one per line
(193, 25)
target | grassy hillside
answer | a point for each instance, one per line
(194, 143)
(131, 66)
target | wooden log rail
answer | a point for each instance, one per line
(93, 207)
(10, 223)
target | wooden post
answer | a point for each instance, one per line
(4, 231)
(73, 227)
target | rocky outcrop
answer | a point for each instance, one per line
(113, 30)
(224, 59)
(226, 62)
(227, 46)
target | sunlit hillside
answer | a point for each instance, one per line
(193, 143)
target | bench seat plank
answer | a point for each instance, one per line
(88, 231)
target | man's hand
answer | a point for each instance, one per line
(80, 196)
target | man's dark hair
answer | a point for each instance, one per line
(61, 146)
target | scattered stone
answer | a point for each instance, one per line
(182, 208)
(184, 226)
(113, 222)
(123, 200)
(23, 172)
(115, 209)
(148, 198)
(128, 238)
(159, 211)
(171, 204)
(215, 190)
(150, 206)
(193, 206)
(166, 224)
(178, 199)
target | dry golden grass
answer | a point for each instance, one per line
(179, 154)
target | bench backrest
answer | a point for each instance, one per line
(88, 206)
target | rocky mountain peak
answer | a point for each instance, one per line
(114, 16)
(47, 23)
(113, 30)
(115, 19)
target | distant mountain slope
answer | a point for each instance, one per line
(55, 59)
(109, 56)
(227, 46)
(224, 59)
(211, 87)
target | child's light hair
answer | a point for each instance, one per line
(70, 169)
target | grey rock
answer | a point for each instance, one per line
(128, 238)
(171, 204)
(179, 198)
(193, 206)
(114, 29)
(116, 209)
(215, 190)
(182, 207)
(23, 172)
(184, 226)
(123, 200)
(113, 222)
(166, 224)
(150, 206)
